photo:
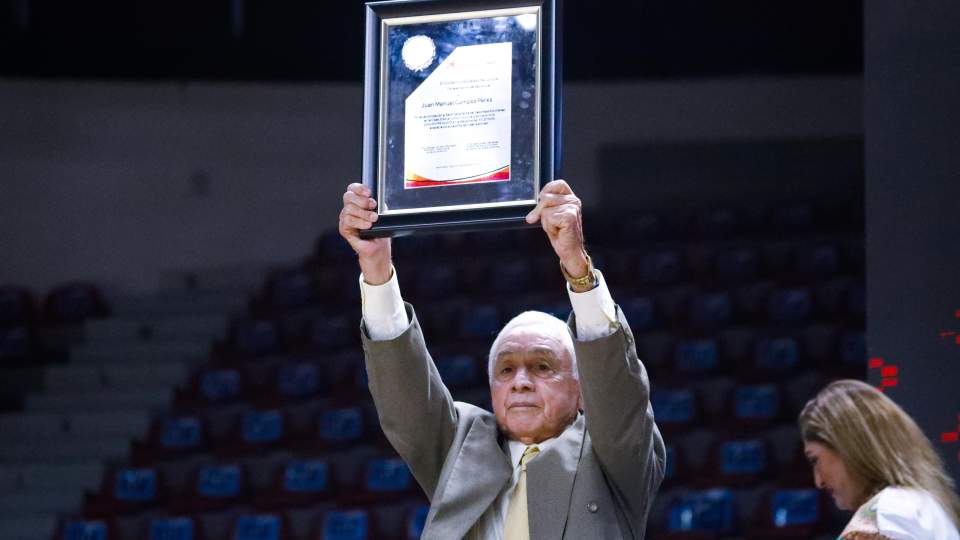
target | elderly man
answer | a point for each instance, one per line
(571, 449)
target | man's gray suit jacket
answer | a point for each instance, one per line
(596, 482)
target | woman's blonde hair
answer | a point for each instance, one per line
(879, 443)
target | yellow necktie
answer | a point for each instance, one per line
(517, 525)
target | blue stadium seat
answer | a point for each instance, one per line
(299, 482)
(125, 490)
(214, 486)
(173, 528)
(640, 313)
(821, 260)
(711, 310)
(415, 522)
(170, 437)
(342, 427)
(480, 322)
(697, 356)
(290, 288)
(756, 405)
(332, 332)
(709, 510)
(776, 355)
(661, 268)
(436, 281)
(259, 527)
(741, 462)
(256, 430)
(675, 409)
(790, 306)
(255, 337)
(86, 529)
(737, 263)
(460, 371)
(299, 380)
(346, 525)
(789, 514)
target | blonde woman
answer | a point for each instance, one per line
(871, 457)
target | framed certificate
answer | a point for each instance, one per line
(462, 111)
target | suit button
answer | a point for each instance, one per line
(592, 507)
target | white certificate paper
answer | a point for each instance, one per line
(457, 127)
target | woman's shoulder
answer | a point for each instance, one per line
(907, 513)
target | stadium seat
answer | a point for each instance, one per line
(415, 522)
(789, 514)
(125, 490)
(255, 337)
(790, 306)
(382, 479)
(675, 409)
(299, 482)
(737, 263)
(711, 311)
(702, 514)
(265, 526)
(213, 486)
(347, 524)
(171, 436)
(213, 386)
(480, 321)
(640, 313)
(738, 462)
(86, 529)
(460, 371)
(289, 289)
(661, 268)
(254, 431)
(697, 357)
(774, 356)
(754, 406)
(171, 528)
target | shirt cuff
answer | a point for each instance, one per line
(384, 314)
(595, 311)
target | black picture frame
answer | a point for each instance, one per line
(546, 129)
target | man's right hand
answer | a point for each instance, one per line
(358, 214)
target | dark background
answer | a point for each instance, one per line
(322, 41)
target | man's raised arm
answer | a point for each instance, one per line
(613, 382)
(415, 408)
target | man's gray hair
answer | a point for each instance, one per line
(547, 325)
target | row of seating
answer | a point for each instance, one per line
(403, 520)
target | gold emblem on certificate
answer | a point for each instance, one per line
(458, 120)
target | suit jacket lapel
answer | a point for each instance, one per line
(477, 475)
(550, 483)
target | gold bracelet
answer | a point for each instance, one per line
(587, 281)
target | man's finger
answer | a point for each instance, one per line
(359, 189)
(352, 199)
(548, 200)
(560, 187)
(356, 211)
(354, 222)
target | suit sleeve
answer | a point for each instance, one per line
(619, 418)
(416, 411)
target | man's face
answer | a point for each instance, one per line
(535, 395)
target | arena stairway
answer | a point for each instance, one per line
(88, 410)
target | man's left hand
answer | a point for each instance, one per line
(559, 213)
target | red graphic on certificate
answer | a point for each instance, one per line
(416, 181)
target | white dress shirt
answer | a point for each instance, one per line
(385, 318)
